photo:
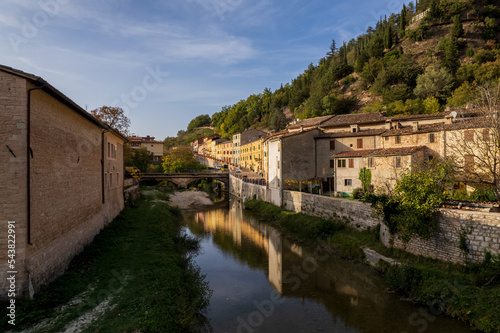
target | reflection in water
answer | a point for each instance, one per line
(264, 283)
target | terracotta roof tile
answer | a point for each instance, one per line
(379, 152)
(354, 118)
(350, 134)
(310, 122)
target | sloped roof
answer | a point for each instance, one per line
(144, 139)
(355, 118)
(310, 122)
(380, 152)
(51, 90)
(350, 134)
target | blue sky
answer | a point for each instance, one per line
(166, 62)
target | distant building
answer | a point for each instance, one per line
(61, 171)
(244, 138)
(148, 142)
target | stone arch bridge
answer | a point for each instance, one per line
(183, 179)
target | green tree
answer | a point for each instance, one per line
(180, 159)
(457, 30)
(431, 105)
(435, 82)
(277, 120)
(141, 159)
(416, 196)
(201, 120)
(365, 175)
(464, 94)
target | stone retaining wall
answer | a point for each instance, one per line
(245, 191)
(480, 229)
(358, 214)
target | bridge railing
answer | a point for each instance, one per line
(256, 181)
(187, 172)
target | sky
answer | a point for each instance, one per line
(166, 62)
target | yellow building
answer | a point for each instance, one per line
(148, 142)
(252, 155)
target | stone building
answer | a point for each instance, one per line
(61, 172)
(344, 144)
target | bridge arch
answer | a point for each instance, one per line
(183, 179)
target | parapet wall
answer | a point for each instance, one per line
(358, 214)
(245, 191)
(480, 231)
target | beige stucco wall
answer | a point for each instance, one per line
(325, 154)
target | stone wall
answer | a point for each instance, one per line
(481, 229)
(245, 191)
(358, 214)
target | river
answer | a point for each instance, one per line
(262, 282)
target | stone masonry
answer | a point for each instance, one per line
(480, 229)
(73, 195)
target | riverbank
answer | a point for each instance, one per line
(136, 276)
(470, 293)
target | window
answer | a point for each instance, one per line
(398, 139)
(109, 150)
(469, 135)
(117, 179)
(370, 162)
(397, 162)
(386, 138)
(332, 164)
(341, 164)
(432, 139)
(486, 134)
(469, 163)
(351, 163)
(360, 143)
(332, 144)
(347, 182)
(110, 179)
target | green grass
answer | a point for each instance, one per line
(470, 293)
(141, 264)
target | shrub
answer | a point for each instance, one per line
(469, 53)
(485, 195)
(358, 193)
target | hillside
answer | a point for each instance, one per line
(403, 65)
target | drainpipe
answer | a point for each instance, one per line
(29, 156)
(102, 164)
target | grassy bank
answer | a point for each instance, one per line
(135, 276)
(470, 292)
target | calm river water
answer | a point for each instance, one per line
(263, 282)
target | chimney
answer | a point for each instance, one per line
(388, 124)
(448, 119)
(414, 126)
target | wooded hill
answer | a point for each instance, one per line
(432, 54)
